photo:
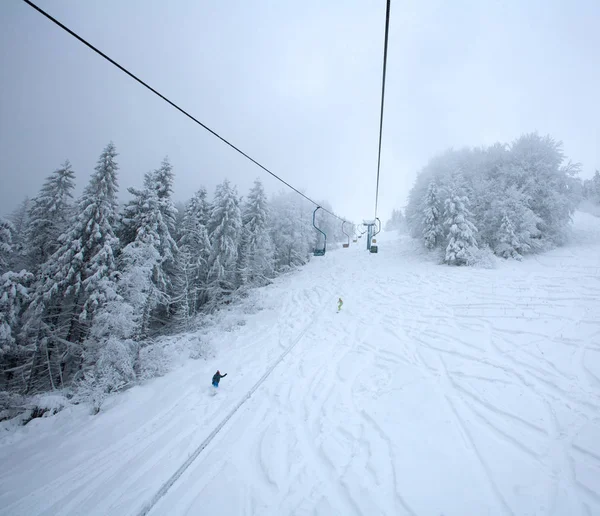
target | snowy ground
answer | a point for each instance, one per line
(435, 391)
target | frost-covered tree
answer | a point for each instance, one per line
(50, 214)
(433, 231)
(79, 276)
(14, 296)
(522, 235)
(256, 249)
(536, 168)
(529, 181)
(14, 299)
(461, 231)
(507, 239)
(76, 281)
(291, 230)
(591, 188)
(6, 238)
(20, 221)
(161, 183)
(149, 253)
(224, 233)
(143, 282)
(191, 269)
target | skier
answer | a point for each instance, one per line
(340, 303)
(217, 378)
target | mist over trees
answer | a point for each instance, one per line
(396, 221)
(85, 285)
(512, 199)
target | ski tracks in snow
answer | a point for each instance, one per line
(348, 423)
(435, 390)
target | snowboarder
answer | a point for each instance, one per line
(217, 378)
(340, 303)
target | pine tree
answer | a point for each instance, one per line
(149, 253)
(433, 231)
(20, 221)
(161, 183)
(14, 299)
(204, 207)
(80, 272)
(6, 237)
(191, 269)
(143, 282)
(50, 214)
(224, 234)
(75, 282)
(508, 242)
(291, 238)
(256, 249)
(522, 234)
(595, 188)
(461, 231)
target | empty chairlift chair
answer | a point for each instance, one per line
(361, 233)
(347, 244)
(374, 248)
(319, 251)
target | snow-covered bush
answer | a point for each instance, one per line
(152, 361)
(483, 258)
(112, 370)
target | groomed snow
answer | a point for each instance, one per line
(436, 390)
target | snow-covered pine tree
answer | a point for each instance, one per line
(143, 281)
(6, 237)
(291, 231)
(525, 235)
(20, 221)
(433, 231)
(161, 183)
(256, 249)
(49, 215)
(461, 231)
(507, 239)
(204, 208)
(595, 188)
(79, 278)
(224, 234)
(14, 354)
(191, 268)
(149, 252)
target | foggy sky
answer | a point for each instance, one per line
(295, 84)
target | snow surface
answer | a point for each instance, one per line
(435, 391)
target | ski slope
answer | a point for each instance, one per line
(435, 391)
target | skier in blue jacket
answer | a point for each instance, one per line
(217, 378)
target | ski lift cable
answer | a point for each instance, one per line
(385, 47)
(183, 111)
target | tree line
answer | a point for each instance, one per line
(84, 285)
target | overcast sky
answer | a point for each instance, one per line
(294, 83)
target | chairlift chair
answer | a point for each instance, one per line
(374, 248)
(347, 244)
(316, 251)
